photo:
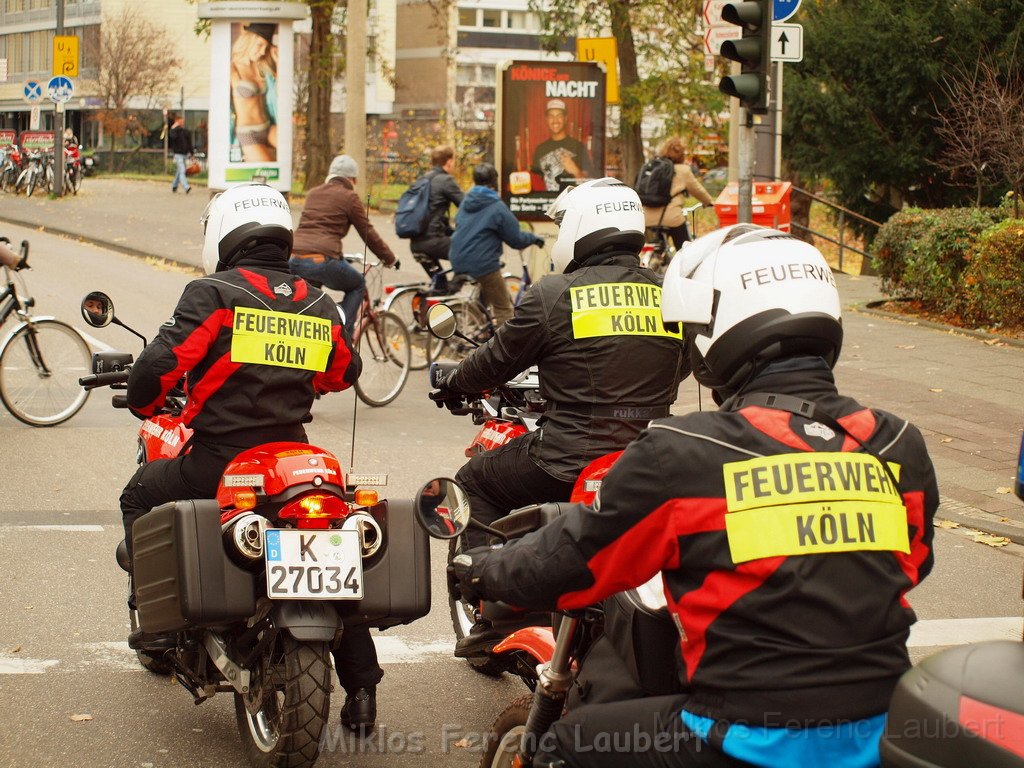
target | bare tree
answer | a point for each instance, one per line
(137, 61)
(982, 127)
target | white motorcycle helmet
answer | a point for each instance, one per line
(593, 218)
(236, 218)
(746, 294)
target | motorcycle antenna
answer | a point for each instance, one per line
(355, 324)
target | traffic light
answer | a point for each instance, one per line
(752, 51)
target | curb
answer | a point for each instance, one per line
(870, 308)
(978, 519)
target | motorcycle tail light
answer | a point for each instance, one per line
(366, 498)
(314, 510)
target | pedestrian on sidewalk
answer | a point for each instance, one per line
(181, 145)
(330, 210)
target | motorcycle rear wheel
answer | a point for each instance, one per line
(287, 728)
(505, 736)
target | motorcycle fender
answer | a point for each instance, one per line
(539, 642)
(306, 620)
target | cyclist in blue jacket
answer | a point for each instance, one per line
(483, 223)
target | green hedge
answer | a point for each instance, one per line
(992, 285)
(921, 254)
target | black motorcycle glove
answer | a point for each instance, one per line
(444, 397)
(462, 584)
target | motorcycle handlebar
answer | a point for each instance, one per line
(119, 401)
(103, 379)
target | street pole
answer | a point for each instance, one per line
(58, 122)
(355, 88)
(746, 167)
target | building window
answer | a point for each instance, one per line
(491, 18)
(39, 5)
(14, 6)
(16, 54)
(467, 17)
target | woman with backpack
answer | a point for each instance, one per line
(663, 192)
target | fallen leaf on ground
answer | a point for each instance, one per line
(934, 390)
(15, 649)
(905, 346)
(992, 541)
(1004, 519)
(1003, 489)
(462, 743)
(80, 718)
(946, 524)
(947, 439)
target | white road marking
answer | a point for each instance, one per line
(94, 342)
(395, 650)
(13, 664)
(64, 528)
(934, 632)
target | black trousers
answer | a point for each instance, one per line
(192, 476)
(501, 480)
(643, 733)
(679, 235)
(355, 660)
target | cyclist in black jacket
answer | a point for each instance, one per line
(785, 544)
(607, 363)
(255, 346)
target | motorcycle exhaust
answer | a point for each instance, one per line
(245, 536)
(371, 537)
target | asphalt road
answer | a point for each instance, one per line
(62, 650)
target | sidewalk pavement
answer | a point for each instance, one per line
(964, 391)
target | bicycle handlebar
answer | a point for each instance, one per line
(103, 379)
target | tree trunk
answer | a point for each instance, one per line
(321, 78)
(629, 125)
(800, 208)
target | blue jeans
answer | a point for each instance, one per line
(179, 172)
(338, 275)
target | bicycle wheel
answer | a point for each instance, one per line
(473, 321)
(30, 187)
(402, 304)
(76, 180)
(383, 344)
(40, 365)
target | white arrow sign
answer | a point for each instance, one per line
(715, 36)
(787, 42)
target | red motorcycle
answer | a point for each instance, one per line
(248, 592)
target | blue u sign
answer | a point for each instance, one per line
(784, 9)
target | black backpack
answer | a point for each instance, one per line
(654, 182)
(413, 212)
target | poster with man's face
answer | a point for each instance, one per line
(254, 98)
(552, 121)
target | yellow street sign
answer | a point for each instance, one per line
(65, 56)
(602, 49)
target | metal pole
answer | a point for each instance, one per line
(58, 122)
(746, 168)
(355, 88)
(777, 171)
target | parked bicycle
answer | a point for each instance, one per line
(41, 359)
(10, 167)
(37, 173)
(658, 252)
(382, 339)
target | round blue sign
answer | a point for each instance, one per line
(784, 9)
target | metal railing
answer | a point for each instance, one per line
(841, 223)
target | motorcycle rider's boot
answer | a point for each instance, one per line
(145, 641)
(359, 713)
(480, 640)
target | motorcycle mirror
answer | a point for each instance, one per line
(97, 309)
(441, 321)
(442, 508)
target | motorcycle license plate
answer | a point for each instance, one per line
(313, 565)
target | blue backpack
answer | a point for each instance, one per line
(413, 210)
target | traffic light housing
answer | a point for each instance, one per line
(753, 51)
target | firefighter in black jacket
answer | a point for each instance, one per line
(255, 345)
(607, 363)
(786, 545)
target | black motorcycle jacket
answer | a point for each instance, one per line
(785, 551)
(607, 363)
(256, 345)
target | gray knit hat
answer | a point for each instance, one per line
(344, 166)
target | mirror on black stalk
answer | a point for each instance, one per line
(97, 309)
(441, 321)
(442, 508)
